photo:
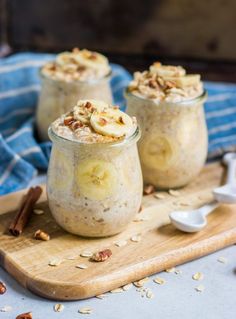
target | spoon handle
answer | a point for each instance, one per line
(231, 175)
(207, 209)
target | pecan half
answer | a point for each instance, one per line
(3, 288)
(102, 255)
(27, 315)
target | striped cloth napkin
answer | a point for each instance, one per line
(22, 156)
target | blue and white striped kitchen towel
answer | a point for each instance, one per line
(22, 156)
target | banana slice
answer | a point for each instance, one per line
(97, 179)
(91, 59)
(112, 122)
(157, 152)
(65, 58)
(83, 113)
(185, 81)
(167, 70)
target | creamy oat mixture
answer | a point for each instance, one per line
(78, 65)
(166, 83)
(94, 183)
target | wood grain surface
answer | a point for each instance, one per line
(161, 245)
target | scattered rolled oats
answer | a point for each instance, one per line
(38, 211)
(127, 287)
(222, 260)
(85, 310)
(102, 255)
(159, 196)
(81, 266)
(6, 309)
(55, 262)
(197, 276)
(149, 294)
(116, 290)
(135, 238)
(72, 257)
(159, 281)
(174, 193)
(173, 269)
(178, 271)
(58, 307)
(200, 288)
(121, 243)
(141, 282)
(86, 254)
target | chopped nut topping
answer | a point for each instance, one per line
(68, 120)
(102, 255)
(198, 276)
(85, 310)
(148, 189)
(3, 288)
(41, 235)
(102, 121)
(58, 307)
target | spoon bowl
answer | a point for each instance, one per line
(188, 221)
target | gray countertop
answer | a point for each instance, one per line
(177, 298)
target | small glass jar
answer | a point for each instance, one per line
(173, 146)
(94, 190)
(58, 97)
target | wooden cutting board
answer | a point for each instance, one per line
(161, 245)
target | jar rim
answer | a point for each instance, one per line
(94, 81)
(126, 141)
(191, 101)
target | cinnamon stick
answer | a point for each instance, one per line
(22, 217)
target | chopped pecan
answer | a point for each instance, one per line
(68, 120)
(102, 121)
(3, 288)
(88, 105)
(102, 255)
(148, 189)
(27, 315)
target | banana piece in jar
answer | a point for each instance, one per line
(83, 114)
(112, 122)
(167, 70)
(97, 179)
(65, 58)
(185, 81)
(91, 59)
(158, 152)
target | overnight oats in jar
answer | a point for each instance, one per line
(94, 179)
(168, 105)
(80, 74)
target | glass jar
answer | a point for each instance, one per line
(94, 189)
(58, 97)
(173, 146)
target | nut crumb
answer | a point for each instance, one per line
(58, 307)
(148, 189)
(159, 281)
(102, 255)
(197, 276)
(41, 235)
(85, 310)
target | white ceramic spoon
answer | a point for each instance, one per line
(195, 220)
